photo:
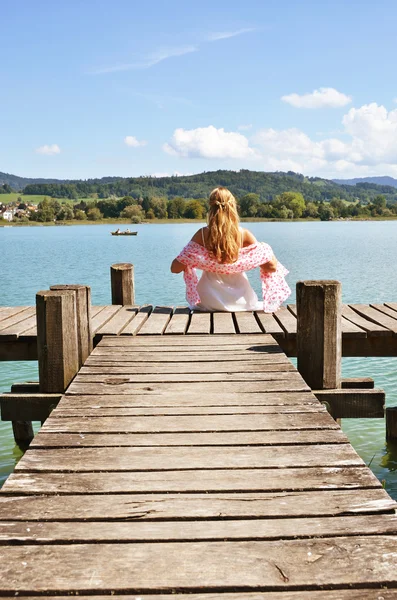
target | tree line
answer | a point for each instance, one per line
(285, 206)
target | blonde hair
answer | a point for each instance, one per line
(223, 226)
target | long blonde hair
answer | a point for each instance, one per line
(223, 226)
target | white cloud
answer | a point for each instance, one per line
(149, 60)
(224, 35)
(209, 142)
(244, 127)
(50, 150)
(321, 98)
(132, 141)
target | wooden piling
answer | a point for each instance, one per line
(57, 345)
(23, 433)
(122, 282)
(319, 333)
(391, 423)
(83, 312)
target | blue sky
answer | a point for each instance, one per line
(130, 88)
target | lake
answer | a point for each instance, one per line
(362, 255)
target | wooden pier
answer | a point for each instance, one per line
(180, 460)
(195, 467)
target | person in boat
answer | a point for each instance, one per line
(118, 230)
(224, 251)
(127, 231)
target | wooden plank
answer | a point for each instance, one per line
(260, 529)
(134, 326)
(383, 308)
(10, 311)
(12, 327)
(196, 342)
(108, 356)
(116, 324)
(79, 460)
(175, 368)
(16, 317)
(357, 382)
(351, 403)
(27, 407)
(22, 349)
(86, 376)
(246, 323)
(200, 323)
(268, 565)
(321, 482)
(376, 316)
(103, 316)
(62, 412)
(213, 398)
(269, 323)
(368, 326)
(392, 305)
(164, 424)
(179, 321)
(157, 321)
(339, 594)
(223, 323)
(349, 329)
(237, 438)
(201, 351)
(287, 321)
(205, 387)
(153, 507)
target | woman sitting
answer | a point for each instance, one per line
(224, 251)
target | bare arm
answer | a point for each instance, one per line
(178, 267)
(248, 239)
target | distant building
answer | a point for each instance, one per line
(8, 215)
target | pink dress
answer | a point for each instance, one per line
(225, 287)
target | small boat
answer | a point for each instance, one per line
(124, 232)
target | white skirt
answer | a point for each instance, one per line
(224, 292)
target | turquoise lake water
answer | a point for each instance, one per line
(362, 255)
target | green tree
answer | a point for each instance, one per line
(94, 214)
(325, 212)
(249, 205)
(194, 210)
(176, 208)
(80, 215)
(133, 212)
(293, 201)
(66, 213)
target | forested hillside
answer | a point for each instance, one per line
(266, 185)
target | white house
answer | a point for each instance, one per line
(8, 215)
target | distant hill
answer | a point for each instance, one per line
(384, 180)
(266, 185)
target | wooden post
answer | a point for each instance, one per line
(391, 423)
(319, 333)
(57, 345)
(83, 311)
(122, 281)
(23, 433)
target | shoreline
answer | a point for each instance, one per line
(184, 221)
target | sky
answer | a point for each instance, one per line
(129, 88)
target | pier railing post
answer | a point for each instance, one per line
(83, 313)
(391, 423)
(122, 281)
(319, 333)
(57, 345)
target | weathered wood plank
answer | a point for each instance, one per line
(339, 594)
(27, 407)
(194, 398)
(204, 387)
(179, 321)
(287, 321)
(10, 311)
(116, 324)
(368, 326)
(392, 305)
(375, 316)
(142, 507)
(281, 564)
(16, 316)
(260, 529)
(178, 458)
(351, 403)
(62, 412)
(157, 321)
(383, 308)
(200, 323)
(223, 323)
(220, 341)
(103, 316)
(246, 323)
(164, 424)
(86, 375)
(216, 438)
(13, 327)
(287, 483)
(187, 368)
(269, 323)
(104, 356)
(349, 329)
(132, 328)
